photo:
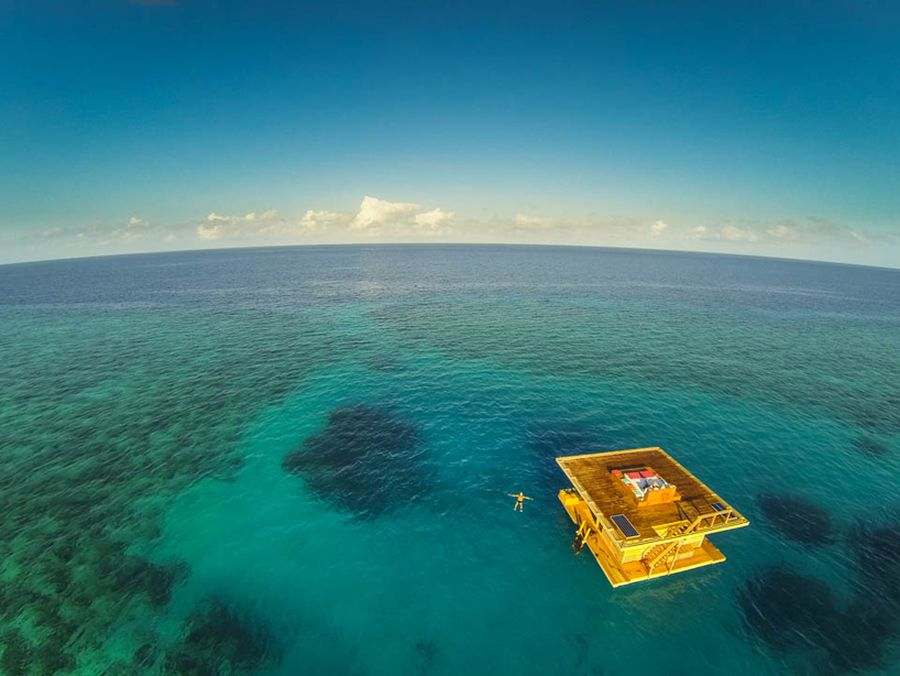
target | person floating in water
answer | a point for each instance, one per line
(520, 500)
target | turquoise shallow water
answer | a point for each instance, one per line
(296, 460)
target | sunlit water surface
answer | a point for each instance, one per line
(296, 461)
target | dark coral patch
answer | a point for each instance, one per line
(859, 639)
(17, 653)
(108, 426)
(50, 655)
(161, 578)
(797, 519)
(426, 652)
(135, 575)
(877, 551)
(796, 614)
(879, 415)
(871, 446)
(786, 609)
(221, 639)
(367, 460)
(144, 655)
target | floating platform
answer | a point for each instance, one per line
(643, 515)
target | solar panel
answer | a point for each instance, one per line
(624, 525)
(718, 506)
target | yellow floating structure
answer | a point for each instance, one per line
(642, 514)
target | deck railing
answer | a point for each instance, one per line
(702, 522)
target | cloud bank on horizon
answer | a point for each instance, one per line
(377, 220)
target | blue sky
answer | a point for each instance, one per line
(769, 129)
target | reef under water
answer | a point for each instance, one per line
(877, 552)
(425, 654)
(869, 445)
(875, 611)
(787, 609)
(320, 442)
(797, 614)
(222, 639)
(135, 575)
(113, 419)
(367, 460)
(797, 519)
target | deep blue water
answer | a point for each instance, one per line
(296, 460)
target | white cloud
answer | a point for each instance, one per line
(374, 212)
(377, 219)
(252, 217)
(811, 234)
(388, 221)
(434, 220)
(209, 232)
(781, 231)
(219, 227)
(728, 232)
(320, 220)
(733, 233)
(268, 225)
(590, 230)
(526, 222)
(374, 217)
(104, 234)
(136, 228)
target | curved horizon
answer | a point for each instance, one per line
(269, 247)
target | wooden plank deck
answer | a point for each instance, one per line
(604, 494)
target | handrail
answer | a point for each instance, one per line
(675, 556)
(666, 548)
(695, 524)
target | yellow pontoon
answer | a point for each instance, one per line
(642, 514)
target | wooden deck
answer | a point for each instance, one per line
(604, 494)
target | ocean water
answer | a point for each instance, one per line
(297, 460)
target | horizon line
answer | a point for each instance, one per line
(446, 244)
